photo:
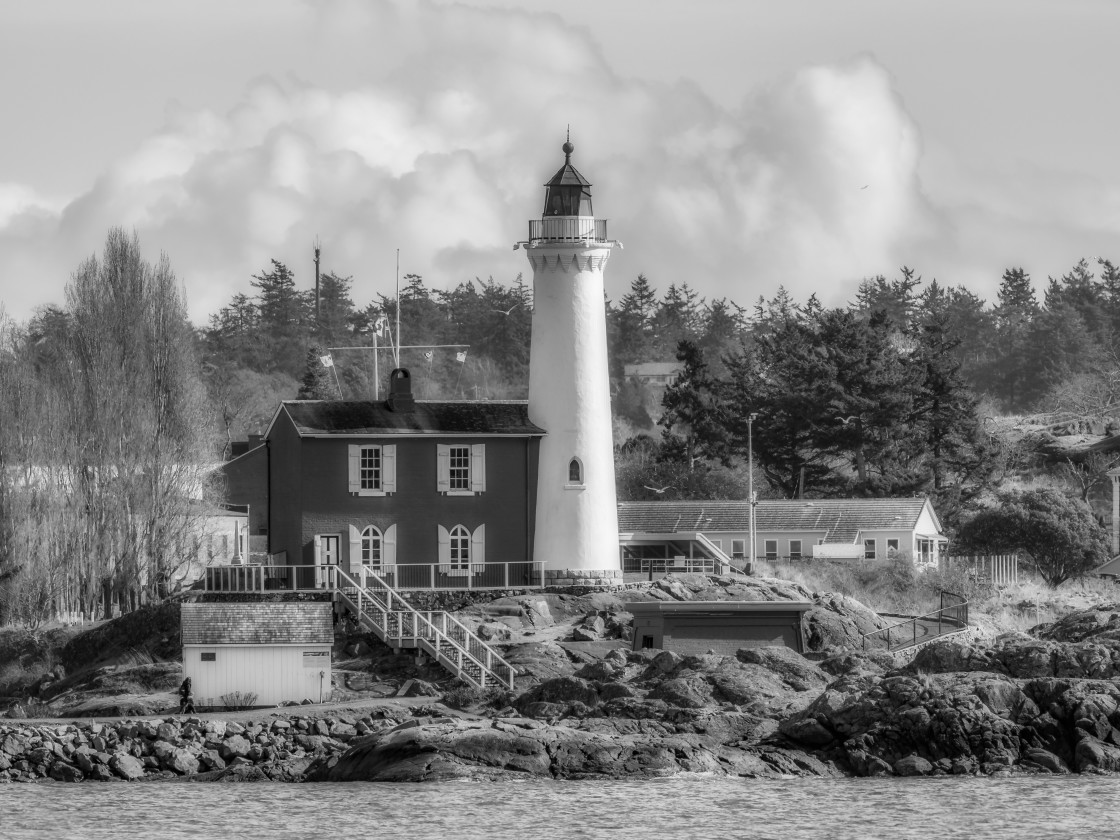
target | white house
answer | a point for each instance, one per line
(868, 528)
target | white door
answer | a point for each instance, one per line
(326, 556)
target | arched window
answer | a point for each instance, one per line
(371, 547)
(575, 471)
(460, 547)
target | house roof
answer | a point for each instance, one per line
(652, 369)
(838, 520)
(312, 418)
(1109, 569)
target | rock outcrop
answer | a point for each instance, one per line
(1020, 704)
(278, 748)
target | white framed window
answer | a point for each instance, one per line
(738, 549)
(373, 469)
(770, 547)
(373, 548)
(892, 547)
(461, 551)
(795, 549)
(575, 473)
(460, 548)
(461, 469)
(869, 549)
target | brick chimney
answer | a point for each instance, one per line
(400, 391)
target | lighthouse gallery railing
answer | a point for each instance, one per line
(568, 229)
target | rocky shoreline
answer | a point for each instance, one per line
(280, 747)
(1048, 702)
(1037, 706)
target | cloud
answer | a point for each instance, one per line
(433, 135)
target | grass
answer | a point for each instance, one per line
(895, 586)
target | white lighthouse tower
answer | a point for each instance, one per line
(576, 533)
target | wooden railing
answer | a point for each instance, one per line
(426, 576)
(402, 576)
(377, 605)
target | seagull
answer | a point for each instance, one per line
(847, 420)
(658, 490)
(507, 311)
(865, 186)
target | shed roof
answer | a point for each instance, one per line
(312, 418)
(256, 624)
(838, 520)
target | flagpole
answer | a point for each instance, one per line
(376, 376)
(337, 384)
(462, 364)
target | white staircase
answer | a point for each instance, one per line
(378, 607)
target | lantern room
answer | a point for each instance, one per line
(568, 193)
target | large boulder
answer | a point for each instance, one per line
(837, 621)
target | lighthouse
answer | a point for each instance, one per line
(576, 523)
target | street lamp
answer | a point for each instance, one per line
(750, 481)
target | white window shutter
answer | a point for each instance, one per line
(389, 546)
(443, 470)
(389, 468)
(355, 548)
(478, 467)
(478, 547)
(318, 551)
(444, 546)
(355, 468)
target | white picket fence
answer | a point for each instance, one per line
(1000, 569)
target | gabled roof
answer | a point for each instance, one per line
(838, 520)
(313, 418)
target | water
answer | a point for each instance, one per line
(662, 809)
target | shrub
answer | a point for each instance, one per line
(465, 696)
(237, 701)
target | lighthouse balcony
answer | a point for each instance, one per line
(567, 229)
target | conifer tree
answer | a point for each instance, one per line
(318, 382)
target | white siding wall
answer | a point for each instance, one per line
(275, 673)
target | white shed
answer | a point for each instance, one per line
(278, 652)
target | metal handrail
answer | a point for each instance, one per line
(955, 615)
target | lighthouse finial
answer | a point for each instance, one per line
(568, 147)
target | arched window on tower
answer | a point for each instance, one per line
(575, 471)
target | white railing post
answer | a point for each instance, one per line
(505, 575)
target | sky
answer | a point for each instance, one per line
(736, 145)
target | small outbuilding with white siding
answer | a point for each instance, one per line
(280, 652)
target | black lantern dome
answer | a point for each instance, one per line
(568, 193)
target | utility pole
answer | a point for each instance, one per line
(750, 480)
(317, 280)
